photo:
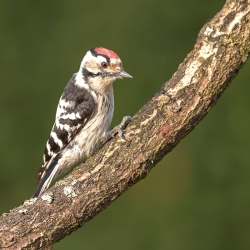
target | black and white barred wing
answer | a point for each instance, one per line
(75, 108)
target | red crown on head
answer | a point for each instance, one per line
(107, 52)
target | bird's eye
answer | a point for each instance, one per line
(104, 65)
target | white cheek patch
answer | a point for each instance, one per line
(86, 58)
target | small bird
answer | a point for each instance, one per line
(83, 117)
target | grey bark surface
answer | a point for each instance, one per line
(221, 49)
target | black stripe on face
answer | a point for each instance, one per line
(86, 73)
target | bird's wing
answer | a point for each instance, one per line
(75, 108)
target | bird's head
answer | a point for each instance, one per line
(100, 67)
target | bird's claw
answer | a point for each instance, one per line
(118, 129)
(125, 121)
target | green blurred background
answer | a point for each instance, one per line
(198, 196)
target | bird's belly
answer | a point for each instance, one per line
(90, 138)
(89, 141)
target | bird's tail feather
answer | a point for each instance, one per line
(48, 176)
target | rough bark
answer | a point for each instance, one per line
(221, 49)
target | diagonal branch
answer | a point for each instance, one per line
(221, 49)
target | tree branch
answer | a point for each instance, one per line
(221, 49)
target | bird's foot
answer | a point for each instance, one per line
(118, 129)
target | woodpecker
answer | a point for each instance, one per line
(83, 117)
